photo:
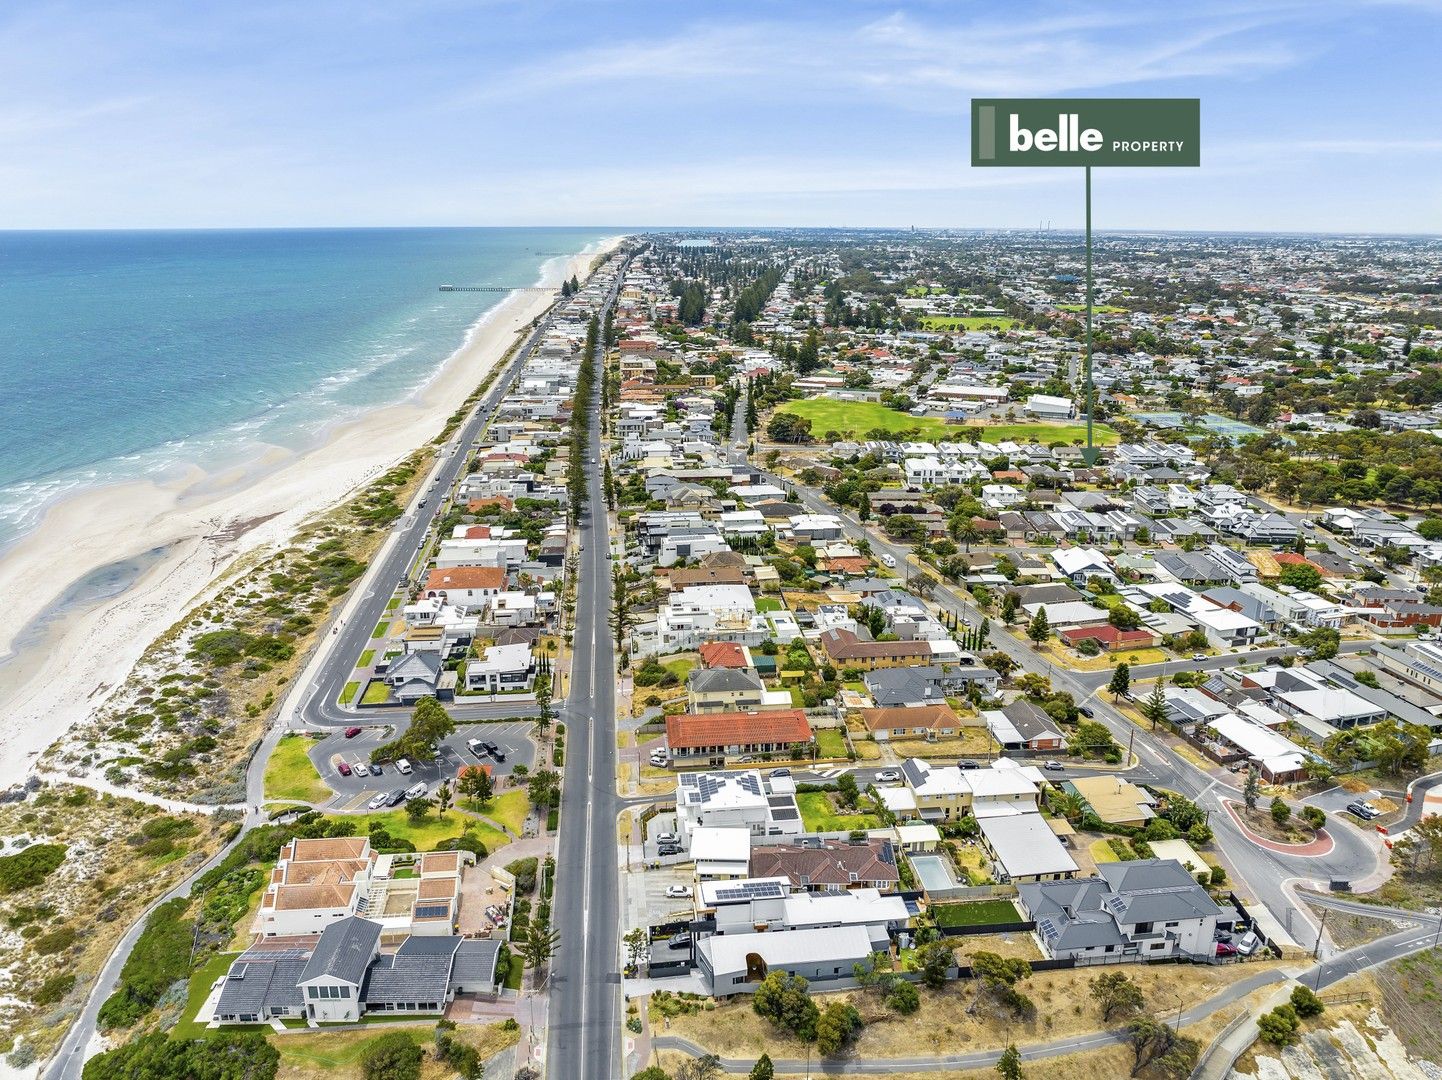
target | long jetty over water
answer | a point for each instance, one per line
(495, 288)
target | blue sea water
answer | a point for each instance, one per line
(123, 354)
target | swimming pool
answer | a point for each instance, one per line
(932, 872)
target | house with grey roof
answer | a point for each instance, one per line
(719, 690)
(343, 975)
(1143, 909)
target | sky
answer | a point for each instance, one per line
(1317, 115)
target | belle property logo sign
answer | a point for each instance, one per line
(1086, 131)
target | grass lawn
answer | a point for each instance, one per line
(1097, 309)
(366, 658)
(798, 699)
(289, 773)
(348, 693)
(516, 973)
(509, 809)
(767, 603)
(380, 630)
(377, 693)
(817, 815)
(830, 743)
(431, 829)
(1102, 852)
(979, 913)
(200, 983)
(1031, 431)
(853, 418)
(680, 667)
(967, 322)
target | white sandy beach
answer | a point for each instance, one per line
(57, 680)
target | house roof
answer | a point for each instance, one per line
(704, 680)
(731, 729)
(832, 862)
(467, 577)
(940, 715)
(343, 951)
(723, 654)
(844, 645)
(260, 981)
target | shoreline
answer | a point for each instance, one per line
(203, 522)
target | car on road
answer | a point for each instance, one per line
(680, 941)
(967, 763)
(1053, 766)
(677, 892)
(1199, 656)
(352, 732)
(1085, 711)
(343, 768)
(888, 560)
(379, 801)
(780, 772)
(1361, 810)
(888, 775)
(416, 791)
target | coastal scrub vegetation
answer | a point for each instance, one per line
(186, 720)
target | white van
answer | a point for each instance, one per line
(888, 560)
(403, 766)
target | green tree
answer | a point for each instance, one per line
(705, 1067)
(903, 997)
(1115, 992)
(393, 1056)
(1039, 629)
(837, 1026)
(1154, 708)
(476, 783)
(417, 809)
(1121, 681)
(1280, 810)
(1009, 606)
(935, 960)
(1008, 1066)
(444, 797)
(1305, 1002)
(763, 1069)
(1252, 788)
(1301, 576)
(785, 1000)
(651, 1072)
(539, 944)
(1278, 1027)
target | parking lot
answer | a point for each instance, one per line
(355, 791)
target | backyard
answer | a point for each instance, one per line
(830, 743)
(975, 913)
(966, 322)
(819, 813)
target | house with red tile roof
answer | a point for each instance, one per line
(719, 737)
(1110, 638)
(918, 721)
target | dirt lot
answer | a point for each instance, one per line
(944, 1025)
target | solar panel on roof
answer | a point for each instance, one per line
(432, 911)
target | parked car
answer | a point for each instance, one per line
(1085, 711)
(379, 801)
(1054, 766)
(344, 769)
(416, 791)
(677, 892)
(888, 775)
(1222, 935)
(476, 747)
(1361, 810)
(403, 766)
(668, 838)
(780, 772)
(967, 763)
(376, 769)
(668, 849)
(1248, 943)
(1199, 656)
(396, 797)
(1226, 948)
(680, 941)
(360, 768)
(352, 732)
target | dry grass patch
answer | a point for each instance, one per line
(336, 1055)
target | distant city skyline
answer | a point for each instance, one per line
(846, 114)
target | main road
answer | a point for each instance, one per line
(585, 1007)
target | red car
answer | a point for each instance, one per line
(352, 732)
(343, 768)
(1226, 949)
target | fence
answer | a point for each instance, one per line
(986, 928)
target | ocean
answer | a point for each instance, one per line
(124, 355)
